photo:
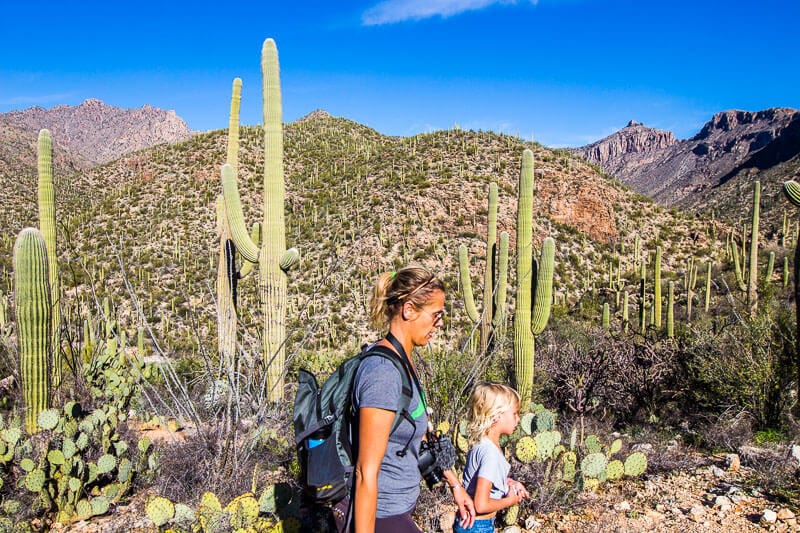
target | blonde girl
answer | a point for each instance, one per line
(493, 411)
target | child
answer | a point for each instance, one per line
(494, 411)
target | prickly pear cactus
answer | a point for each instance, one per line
(635, 464)
(160, 510)
(526, 449)
(511, 515)
(615, 469)
(593, 465)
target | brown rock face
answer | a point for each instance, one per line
(96, 133)
(671, 172)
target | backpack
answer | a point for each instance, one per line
(324, 425)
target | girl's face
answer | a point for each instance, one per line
(508, 420)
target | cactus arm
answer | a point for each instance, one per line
(671, 309)
(466, 285)
(226, 290)
(233, 208)
(523, 336)
(233, 126)
(737, 268)
(34, 322)
(489, 271)
(502, 282)
(255, 236)
(708, 287)
(606, 320)
(544, 287)
(47, 225)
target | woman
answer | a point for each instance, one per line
(409, 304)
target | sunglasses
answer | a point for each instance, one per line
(437, 316)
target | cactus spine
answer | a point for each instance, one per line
(533, 300)
(272, 279)
(34, 322)
(47, 225)
(752, 281)
(495, 279)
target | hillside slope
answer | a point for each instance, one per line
(358, 203)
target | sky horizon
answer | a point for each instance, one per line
(561, 72)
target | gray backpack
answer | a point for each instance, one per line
(325, 425)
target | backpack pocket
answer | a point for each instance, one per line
(325, 476)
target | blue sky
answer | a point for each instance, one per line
(562, 72)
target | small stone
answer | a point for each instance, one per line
(733, 462)
(785, 514)
(622, 507)
(795, 453)
(661, 507)
(697, 512)
(739, 498)
(644, 447)
(512, 529)
(716, 471)
(532, 523)
(654, 515)
(723, 503)
(769, 516)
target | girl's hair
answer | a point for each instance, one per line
(487, 403)
(393, 289)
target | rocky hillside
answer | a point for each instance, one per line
(358, 203)
(732, 150)
(96, 133)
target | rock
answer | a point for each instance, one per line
(769, 516)
(794, 453)
(785, 514)
(732, 462)
(723, 501)
(654, 515)
(622, 507)
(716, 471)
(697, 513)
(532, 523)
(512, 529)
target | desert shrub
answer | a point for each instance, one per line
(745, 367)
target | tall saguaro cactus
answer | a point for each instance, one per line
(34, 322)
(792, 191)
(272, 256)
(534, 284)
(752, 280)
(47, 225)
(495, 278)
(657, 290)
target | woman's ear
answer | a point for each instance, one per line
(408, 311)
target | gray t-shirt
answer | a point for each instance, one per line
(379, 384)
(487, 461)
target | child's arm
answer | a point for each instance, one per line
(485, 505)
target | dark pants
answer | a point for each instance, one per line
(401, 523)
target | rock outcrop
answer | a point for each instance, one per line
(671, 172)
(95, 133)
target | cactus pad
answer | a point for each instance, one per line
(124, 471)
(56, 457)
(35, 479)
(545, 421)
(83, 509)
(266, 503)
(159, 510)
(593, 465)
(27, 465)
(526, 449)
(546, 443)
(184, 514)
(592, 444)
(511, 516)
(100, 505)
(615, 447)
(615, 469)
(526, 423)
(635, 464)
(106, 463)
(48, 419)
(243, 510)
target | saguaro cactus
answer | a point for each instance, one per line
(792, 191)
(657, 290)
(533, 300)
(47, 225)
(671, 309)
(34, 322)
(752, 280)
(495, 277)
(272, 256)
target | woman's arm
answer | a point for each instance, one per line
(466, 509)
(374, 426)
(485, 505)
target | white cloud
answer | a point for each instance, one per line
(390, 11)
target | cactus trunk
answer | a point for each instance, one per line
(752, 282)
(533, 302)
(657, 290)
(47, 225)
(34, 322)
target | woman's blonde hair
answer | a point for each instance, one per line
(487, 402)
(410, 284)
